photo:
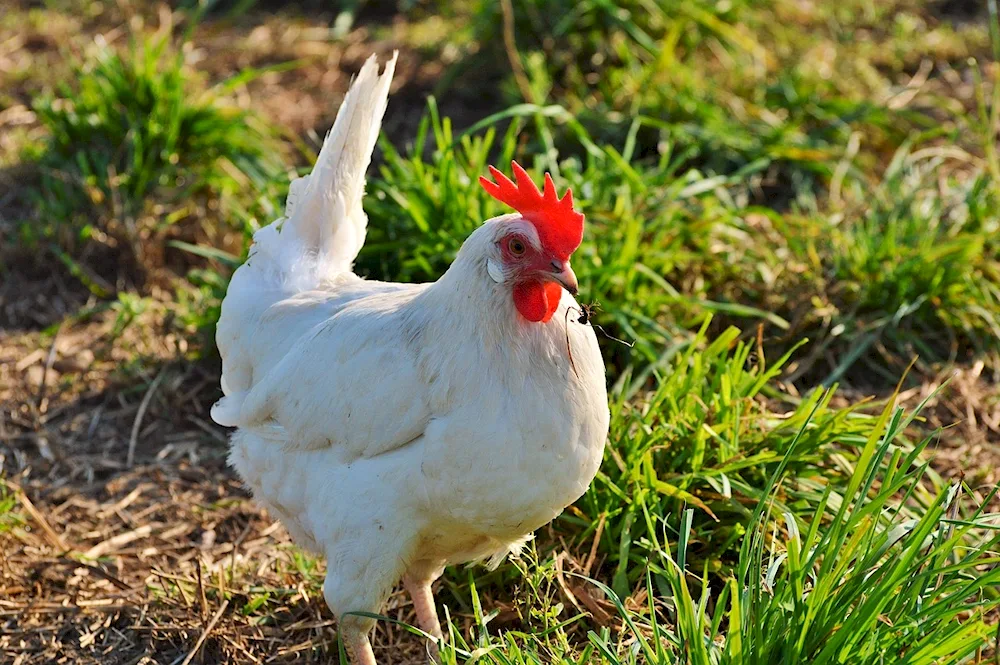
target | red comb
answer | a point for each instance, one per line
(559, 226)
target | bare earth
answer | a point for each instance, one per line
(116, 459)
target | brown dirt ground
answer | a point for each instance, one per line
(105, 442)
(168, 532)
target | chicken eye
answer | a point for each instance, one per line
(516, 247)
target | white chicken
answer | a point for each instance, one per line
(400, 428)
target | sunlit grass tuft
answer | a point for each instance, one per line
(139, 149)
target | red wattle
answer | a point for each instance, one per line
(537, 301)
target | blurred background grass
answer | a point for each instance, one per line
(792, 211)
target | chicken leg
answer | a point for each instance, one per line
(358, 646)
(418, 585)
(356, 584)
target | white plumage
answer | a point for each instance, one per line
(398, 428)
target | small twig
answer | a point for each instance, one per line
(236, 545)
(95, 421)
(36, 515)
(204, 634)
(202, 600)
(137, 423)
(91, 605)
(597, 610)
(761, 362)
(49, 361)
(598, 532)
(29, 360)
(208, 429)
(113, 543)
(561, 579)
(236, 645)
(100, 572)
(222, 582)
(120, 505)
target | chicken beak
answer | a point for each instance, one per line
(562, 273)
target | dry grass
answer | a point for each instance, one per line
(166, 559)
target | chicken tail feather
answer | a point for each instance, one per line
(324, 225)
(324, 209)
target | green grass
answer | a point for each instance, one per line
(136, 150)
(9, 516)
(736, 82)
(911, 260)
(771, 209)
(854, 582)
(797, 111)
(703, 438)
(921, 263)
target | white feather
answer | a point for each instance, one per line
(326, 210)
